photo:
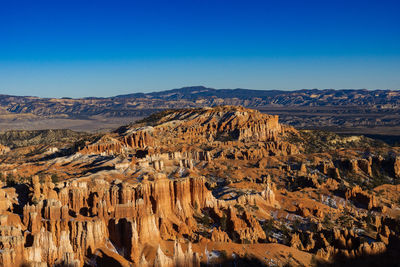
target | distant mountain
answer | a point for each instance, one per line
(297, 97)
(196, 92)
(309, 108)
(140, 104)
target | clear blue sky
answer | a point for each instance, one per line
(102, 48)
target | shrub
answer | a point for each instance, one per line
(54, 178)
(11, 180)
(239, 207)
(224, 222)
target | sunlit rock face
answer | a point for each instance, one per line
(198, 186)
(68, 223)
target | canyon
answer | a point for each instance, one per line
(223, 185)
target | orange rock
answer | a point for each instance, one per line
(396, 167)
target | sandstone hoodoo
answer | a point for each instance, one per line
(223, 185)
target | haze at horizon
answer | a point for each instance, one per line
(105, 48)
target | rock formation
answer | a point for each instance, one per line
(197, 186)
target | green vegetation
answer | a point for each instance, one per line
(11, 180)
(285, 232)
(239, 208)
(268, 226)
(224, 223)
(296, 225)
(55, 178)
(327, 221)
(345, 219)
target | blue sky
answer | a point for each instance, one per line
(103, 48)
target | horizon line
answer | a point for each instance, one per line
(208, 88)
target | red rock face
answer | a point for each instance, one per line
(4, 149)
(222, 126)
(357, 195)
(396, 167)
(141, 139)
(68, 224)
(197, 186)
(84, 215)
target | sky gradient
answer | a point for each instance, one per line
(104, 48)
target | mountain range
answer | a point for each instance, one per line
(347, 110)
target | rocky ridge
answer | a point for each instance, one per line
(198, 186)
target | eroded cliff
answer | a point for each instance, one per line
(198, 186)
